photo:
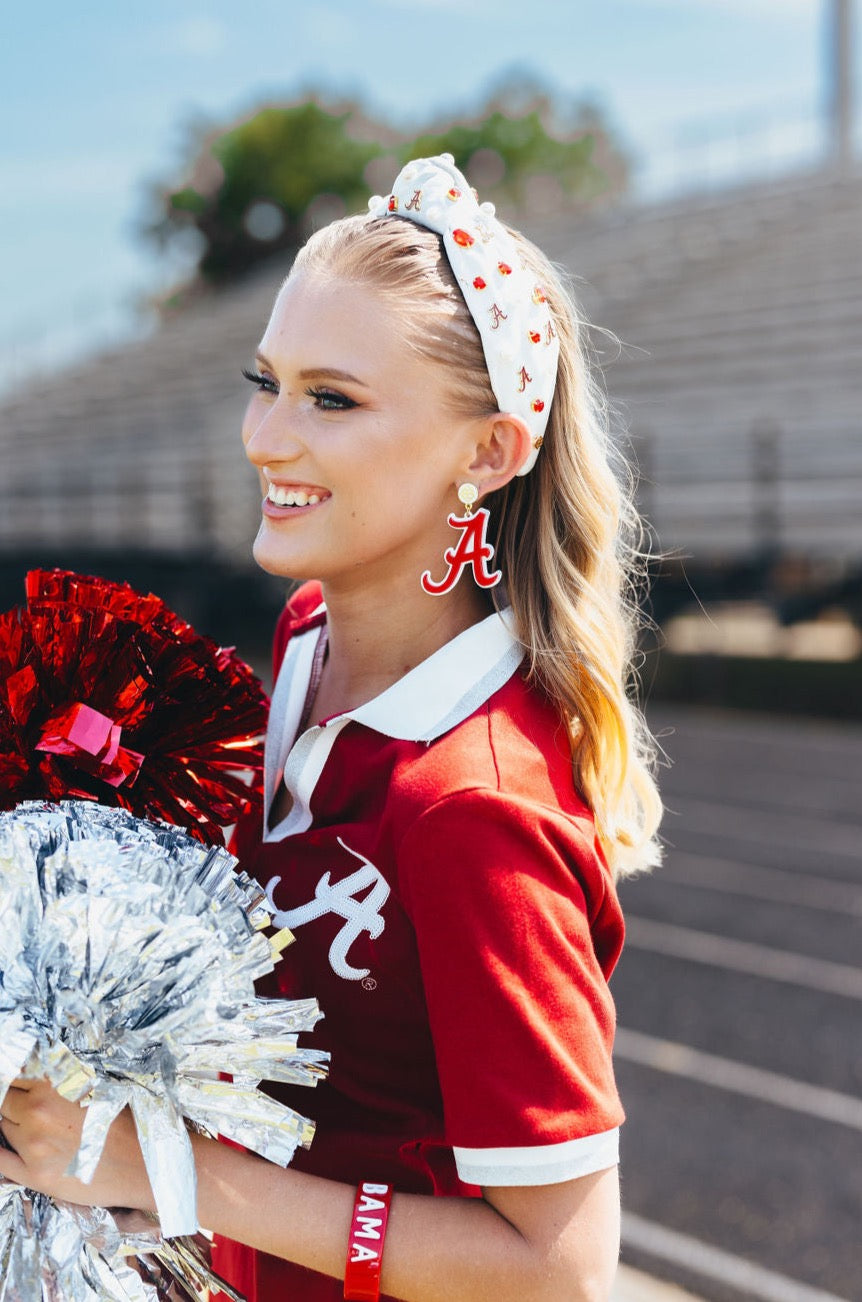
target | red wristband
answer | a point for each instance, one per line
(365, 1245)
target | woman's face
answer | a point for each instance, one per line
(358, 454)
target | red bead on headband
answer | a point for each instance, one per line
(510, 310)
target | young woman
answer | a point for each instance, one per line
(454, 778)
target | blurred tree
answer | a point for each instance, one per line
(252, 188)
(259, 186)
(531, 149)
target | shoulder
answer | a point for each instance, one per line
(491, 811)
(515, 745)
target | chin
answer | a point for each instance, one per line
(271, 558)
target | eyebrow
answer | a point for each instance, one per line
(316, 372)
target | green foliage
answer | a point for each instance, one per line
(251, 186)
(524, 150)
(259, 186)
(188, 200)
(290, 156)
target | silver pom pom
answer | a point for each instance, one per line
(128, 955)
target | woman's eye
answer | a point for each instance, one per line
(330, 400)
(263, 382)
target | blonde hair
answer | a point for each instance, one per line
(567, 536)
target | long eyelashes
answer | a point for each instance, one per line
(268, 386)
(331, 399)
(325, 399)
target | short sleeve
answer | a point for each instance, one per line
(517, 927)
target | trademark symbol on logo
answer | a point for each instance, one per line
(368, 983)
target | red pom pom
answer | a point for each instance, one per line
(107, 695)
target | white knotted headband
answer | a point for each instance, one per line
(510, 309)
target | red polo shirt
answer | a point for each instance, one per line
(455, 918)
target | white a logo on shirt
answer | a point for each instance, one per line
(358, 915)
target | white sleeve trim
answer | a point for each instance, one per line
(541, 1164)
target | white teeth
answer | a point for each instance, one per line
(291, 497)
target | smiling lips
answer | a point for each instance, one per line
(296, 495)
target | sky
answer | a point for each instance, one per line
(97, 97)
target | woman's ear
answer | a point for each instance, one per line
(504, 447)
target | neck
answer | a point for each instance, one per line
(378, 636)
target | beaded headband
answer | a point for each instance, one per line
(510, 310)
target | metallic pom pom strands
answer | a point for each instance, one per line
(58, 1252)
(128, 953)
(107, 695)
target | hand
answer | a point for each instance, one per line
(44, 1129)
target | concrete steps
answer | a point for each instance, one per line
(736, 313)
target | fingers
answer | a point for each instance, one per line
(6, 1125)
(6, 1145)
(22, 1085)
(11, 1167)
(18, 1094)
(43, 1128)
(12, 1106)
(31, 1099)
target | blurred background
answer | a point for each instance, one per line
(694, 165)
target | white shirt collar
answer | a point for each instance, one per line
(438, 694)
(448, 686)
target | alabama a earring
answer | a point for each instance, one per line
(472, 548)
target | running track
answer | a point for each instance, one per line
(739, 996)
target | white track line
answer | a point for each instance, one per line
(755, 1283)
(737, 1077)
(743, 956)
(796, 737)
(632, 1285)
(776, 884)
(799, 833)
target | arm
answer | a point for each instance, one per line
(551, 1242)
(556, 1242)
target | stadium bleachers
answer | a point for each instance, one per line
(728, 328)
(739, 367)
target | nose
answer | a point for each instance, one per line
(268, 436)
